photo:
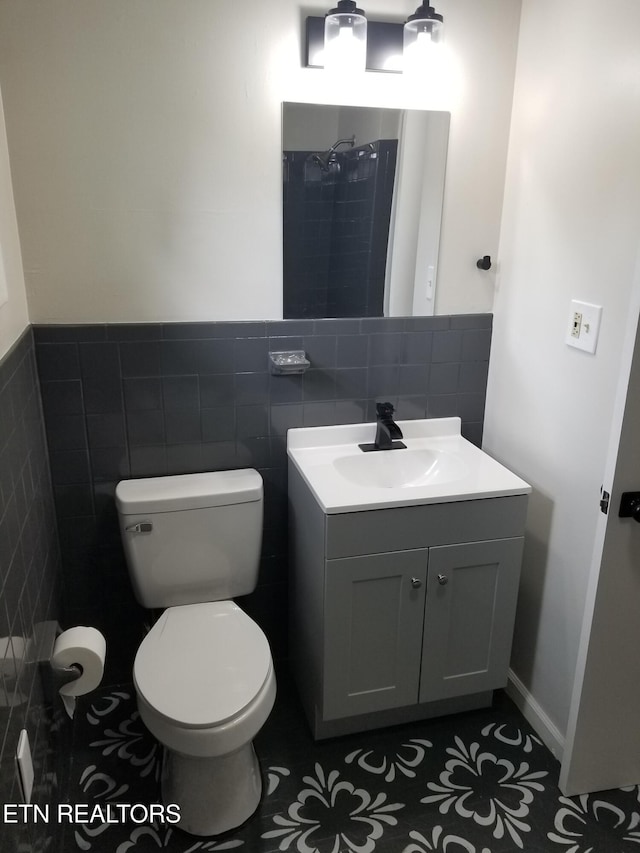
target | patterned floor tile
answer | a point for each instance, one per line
(480, 782)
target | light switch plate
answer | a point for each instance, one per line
(583, 325)
(25, 766)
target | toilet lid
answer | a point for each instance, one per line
(202, 664)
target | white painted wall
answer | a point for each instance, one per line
(571, 226)
(13, 300)
(145, 149)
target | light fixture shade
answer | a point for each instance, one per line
(423, 31)
(345, 38)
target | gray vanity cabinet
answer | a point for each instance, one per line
(375, 607)
(472, 590)
(401, 613)
(418, 626)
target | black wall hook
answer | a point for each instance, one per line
(484, 263)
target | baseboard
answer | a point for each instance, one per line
(547, 731)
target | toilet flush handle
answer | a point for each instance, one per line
(140, 527)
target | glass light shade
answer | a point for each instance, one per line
(345, 39)
(423, 33)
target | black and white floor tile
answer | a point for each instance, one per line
(480, 782)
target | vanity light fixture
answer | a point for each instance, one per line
(345, 41)
(345, 38)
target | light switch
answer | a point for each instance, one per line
(583, 325)
(430, 276)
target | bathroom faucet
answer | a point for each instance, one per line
(387, 430)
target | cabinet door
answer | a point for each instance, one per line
(472, 591)
(374, 609)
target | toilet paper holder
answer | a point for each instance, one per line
(65, 676)
(54, 678)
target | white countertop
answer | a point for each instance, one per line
(460, 471)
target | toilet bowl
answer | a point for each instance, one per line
(204, 674)
(206, 685)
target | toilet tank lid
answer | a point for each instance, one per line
(188, 491)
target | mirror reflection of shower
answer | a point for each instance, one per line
(337, 206)
(328, 160)
(362, 204)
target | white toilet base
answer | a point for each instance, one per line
(214, 794)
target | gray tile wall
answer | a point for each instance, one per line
(137, 401)
(29, 566)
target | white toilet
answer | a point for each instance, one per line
(203, 674)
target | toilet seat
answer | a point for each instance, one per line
(202, 665)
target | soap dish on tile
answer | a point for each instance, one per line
(288, 362)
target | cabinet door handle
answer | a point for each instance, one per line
(416, 583)
(443, 580)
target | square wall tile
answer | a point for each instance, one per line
(218, 424)
(250, 355)
(179, 358)
(180, 393)
(145, 427)
(140, 358)
(447, 346)
(252, 421)
(66, 432)
(107, 430)
(216, 356)
(99, 360)
(182, 427)
(217, 390)
(58, 361)
(62, 397)
(102, 396)
(143, 394)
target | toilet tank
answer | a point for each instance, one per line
(192, 537)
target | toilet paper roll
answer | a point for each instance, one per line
(86, 648)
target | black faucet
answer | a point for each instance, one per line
(388, 432)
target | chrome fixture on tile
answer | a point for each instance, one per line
(288, 362)
(326, 159)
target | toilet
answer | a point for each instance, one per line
(203, 674)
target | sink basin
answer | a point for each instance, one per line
(392, 469)
(437, 466)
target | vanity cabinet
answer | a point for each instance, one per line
(472, 591)
(418, 626)
(374, 610)
(401, 613)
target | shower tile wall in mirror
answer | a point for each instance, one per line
(362, 207)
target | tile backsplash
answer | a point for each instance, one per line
(147, 400)
(29, 569)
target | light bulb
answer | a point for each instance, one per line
(422, 35)
(345, 39)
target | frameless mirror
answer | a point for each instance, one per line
(362, 206)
